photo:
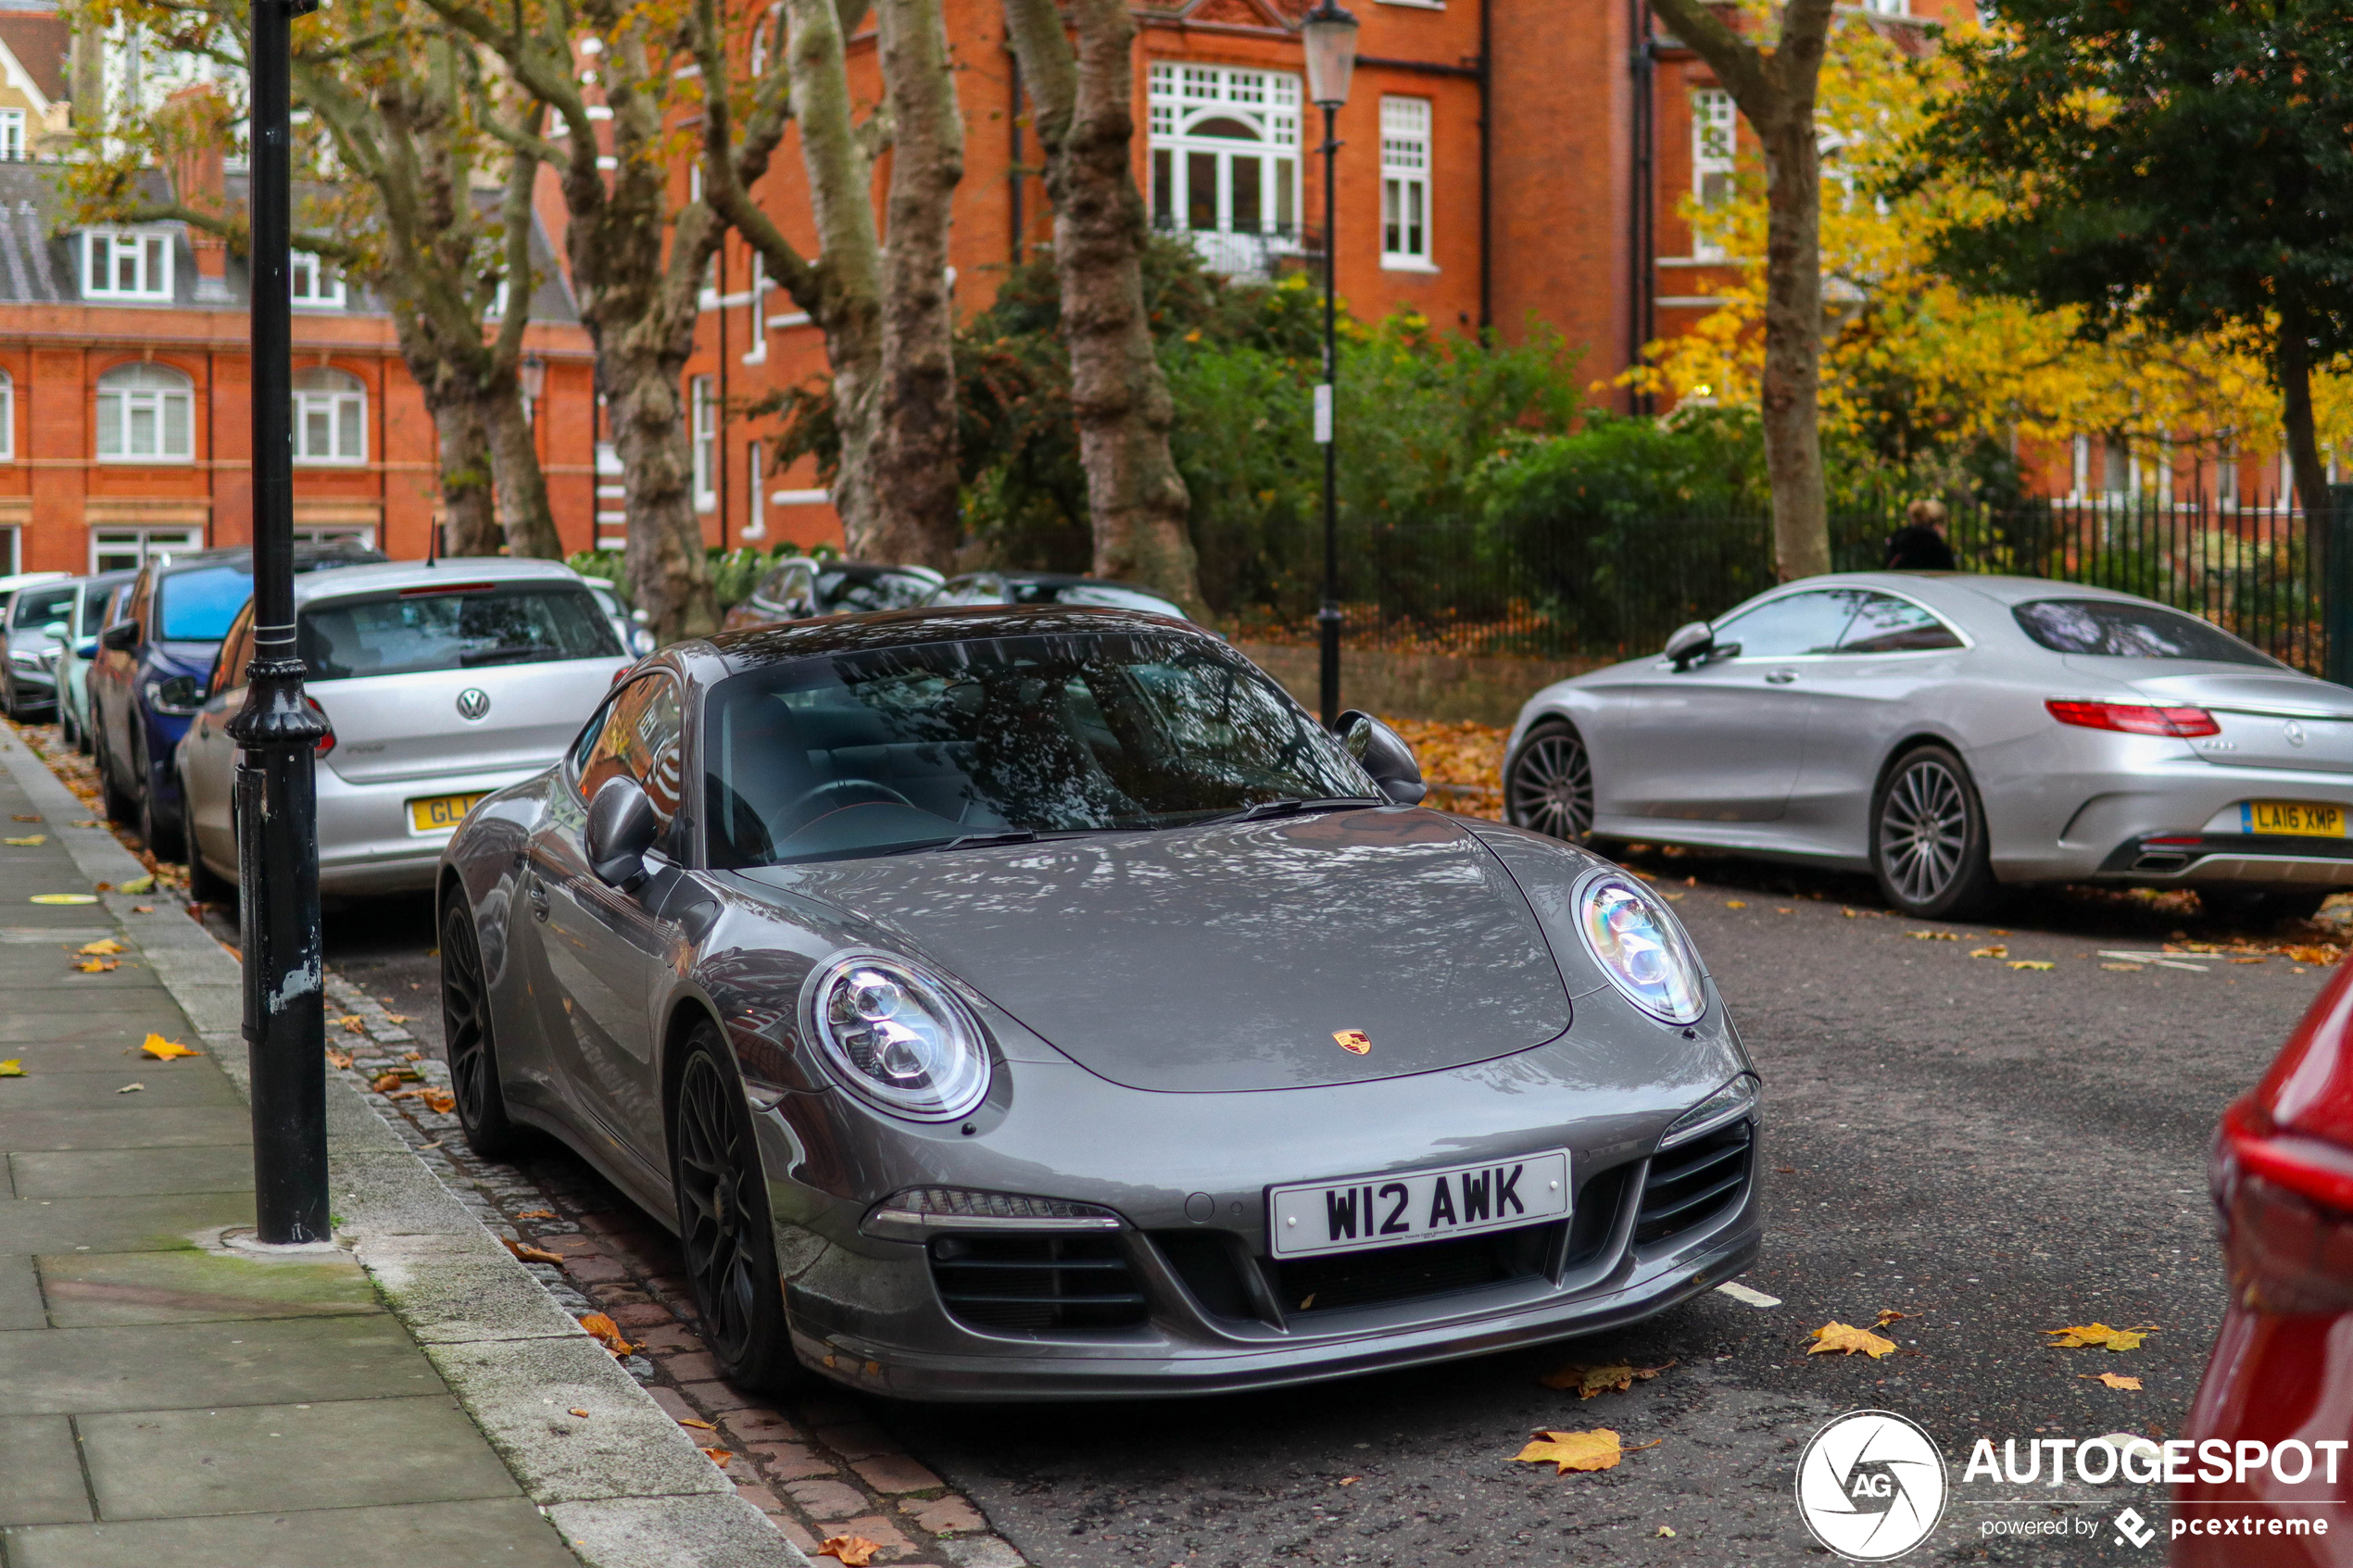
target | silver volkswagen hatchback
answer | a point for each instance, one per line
(442, 684)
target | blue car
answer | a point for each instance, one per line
(151, 668)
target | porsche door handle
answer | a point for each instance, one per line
(1779, 677)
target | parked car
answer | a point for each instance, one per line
(2281, 1369)
(626, 624)
(38, 616)
(151, 668)
(1035, 1002)
(1953, 734)
(800, 588)
(1049, 588)
(440, 683)
(68, 660)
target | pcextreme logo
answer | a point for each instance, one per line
(1871, 1485)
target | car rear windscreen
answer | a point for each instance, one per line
(2114, 629)
(459, 627)
(37, 607)
(198, 606)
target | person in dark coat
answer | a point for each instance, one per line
(1919, 545)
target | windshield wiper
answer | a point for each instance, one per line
(1293, 806)
(965, 841)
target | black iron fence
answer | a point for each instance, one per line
(1615, 589)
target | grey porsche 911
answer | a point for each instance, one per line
(1013, 1002)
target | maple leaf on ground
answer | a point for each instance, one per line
(536, 1214)
(1848, 1338)
(1932, 936)
(530, 1254)
(604, 1331)
(2033, 963)
(1597, 1449)
(439, 1100)
(99, 948)
(98, 966)
(2113, 1379)
(2321, 956)
(341, 1058)
(1591, 1380)
(718, 1457)
(851, 1551)
(138, 885)
(1888, 1315)
(12, 1068)
(1736, 903)
(1996, 951)
(2099, 1333)
(166, 1050)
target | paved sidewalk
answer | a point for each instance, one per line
(416, 1400)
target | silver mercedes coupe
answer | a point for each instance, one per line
(1954, 733)
(1032, 1002)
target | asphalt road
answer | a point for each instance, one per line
(1992, 1152)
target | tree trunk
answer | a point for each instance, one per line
(530, 527)
(1085, 125)
(911, 474)
(2294, 369)
(669, 572)
(1789, 392)
(1775, 93)
(470, 511)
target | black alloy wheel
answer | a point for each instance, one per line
(469, 1045)
(1927, 839)
(1548, 788)
(723, 1222)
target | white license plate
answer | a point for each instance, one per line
(1419, 1206)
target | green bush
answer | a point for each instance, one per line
(733, 573)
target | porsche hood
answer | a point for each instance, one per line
(1322, 950)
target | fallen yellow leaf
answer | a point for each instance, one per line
(137, 884)
(536, 1214)
(583, 1414)
(1932, 936)
(530, 1254)
(2033, 963)
(603, 1329)
(1591, 1380)
(852, 1551)
(2113, 1379)
(1996, 951)
(1667, 1531)
(439, 1100)
(1597, 1449)
(1349, 1480)
(2099, 1333)
(1736, 903)
(102, 947)
(12, 1068)
(166, 1050)
(718, 1457)
(1888, 1315)
(2318, 957)
(690, 1421)
(338, 1057)
(1846, 1338)
(1851, 914)
(98, 966)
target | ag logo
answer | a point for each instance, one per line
(1354, 1041)
(1871, 1485)
(472, 703)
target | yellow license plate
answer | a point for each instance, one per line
(440, 813)
(2302, 818)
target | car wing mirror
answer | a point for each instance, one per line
(123, 636)
(1690, 643)
(1384, 754)
(56, 630)
(85, 649)
(622, 827)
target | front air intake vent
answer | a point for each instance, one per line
(1036, 1283)
(1693, 1182)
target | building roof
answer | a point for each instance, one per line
(39, 255)
(38, 39)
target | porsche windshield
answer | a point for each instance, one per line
(872, 752)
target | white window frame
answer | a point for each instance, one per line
(313, 285)
(1404, 185)
(8, 417)
(143, 544)
(148, 252)
(347, 394)
(704, 404)
(1715, 122)
(1888, 7)
(1183, 96)
(755, 479)
(11, 135)
(159, 403)
(758, 353)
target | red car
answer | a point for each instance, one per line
(2278, 1392)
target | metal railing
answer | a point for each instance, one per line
(1615, 589)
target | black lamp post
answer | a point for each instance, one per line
(1329, 33)
(278, 730)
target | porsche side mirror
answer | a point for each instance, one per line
(1690, 643)
(622, 827)
(1385, 756)
(123, 636)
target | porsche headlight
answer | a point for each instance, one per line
(1642, 948)
(896, 1037)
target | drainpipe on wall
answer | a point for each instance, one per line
(1486, 169)
(1013, 120)
(1641, 314)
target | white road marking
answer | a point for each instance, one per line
(2190, 962)
(1743, 1294)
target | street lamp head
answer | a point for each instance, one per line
(1329, 33)
(535, 376)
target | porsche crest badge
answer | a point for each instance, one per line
(1354, 1041)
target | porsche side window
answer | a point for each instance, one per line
(1793, 625)
(1884, 623)
(639, 739)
